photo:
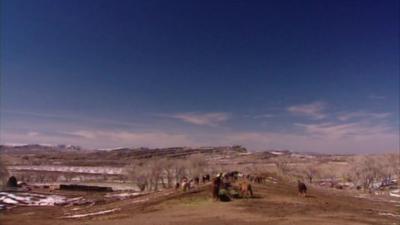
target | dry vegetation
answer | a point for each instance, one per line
(363, 171)
(3, 171)
(150, 173)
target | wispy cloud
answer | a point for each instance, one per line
(207, 119)
(73, 118)
(83, 134)
(376, 97)
(325, 138)
(343, 130)
(313, 110)
(362, 115)
(32, 133)
(263, 116)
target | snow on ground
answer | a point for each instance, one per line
(388, 214)
(72, 169)
(277, 153)
(272, 180)
(92, 214)
(115, 185)
(32, 199)
(122, 195)
(141, 200)
(395, 193)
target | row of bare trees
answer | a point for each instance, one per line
(3, 172)
(361, 170)
(368, 169)
(151, 174)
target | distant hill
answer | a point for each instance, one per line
(74, 155)
(37, 148)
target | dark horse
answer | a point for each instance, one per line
(215, 186)
(12, 182)
(302, 188)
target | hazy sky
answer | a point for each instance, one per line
(317, 76)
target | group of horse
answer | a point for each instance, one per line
(188, 184)
(231, 180)
(228, 181)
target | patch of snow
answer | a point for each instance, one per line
(389, 214)
(32, 199)
(394, 193)
(72, 169)
(110, 149)
(122, 195)
(140, 200)
(92, 214)
(277, 153)
(297, 155)
(362, 196)
(245, 153)
(8, 200)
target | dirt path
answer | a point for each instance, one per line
(273, 204)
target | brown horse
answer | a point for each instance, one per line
(185, 186)
(245, 189)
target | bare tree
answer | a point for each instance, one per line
(179, 169)
(3, 172)
(197, 165)
(366, 170)
(138, 173)
(156, 169)
(146, 174)
(391, 165)
(282, 165)
(150, 173)
(311, 170)
(168, 166)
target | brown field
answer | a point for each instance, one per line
(273, 204)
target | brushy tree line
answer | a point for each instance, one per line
(3, 172)
(368, 169)
(361, 170)
(155, 173)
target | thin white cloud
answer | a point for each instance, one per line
(362, 143)
(74, 118)
(314, 110)
(360, 137)
(32, 134)
(208, 119)
(345, 130)
(362, 115)
(83, 134)
(376, 97)
(263, 116)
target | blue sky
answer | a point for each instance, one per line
(317, 76)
